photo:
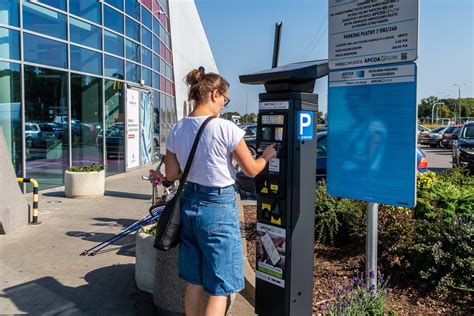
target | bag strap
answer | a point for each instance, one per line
(184, 176)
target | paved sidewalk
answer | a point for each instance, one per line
(41, 271)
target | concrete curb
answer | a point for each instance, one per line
(249, 274)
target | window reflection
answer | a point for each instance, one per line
(10, 111)
(113, 19)
(9, 44)
(41, 50)
(86, 60)
(85, 34)
(9, 13)
(114, 127)
(86, 119)
(39, 19)
(87, 9)
(46, 125)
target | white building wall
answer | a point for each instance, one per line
(190, 47)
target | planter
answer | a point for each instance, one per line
(169, 289)
(145, 256)
(84, 184)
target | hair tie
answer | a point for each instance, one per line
(202, 70)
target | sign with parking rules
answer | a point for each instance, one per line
(305, 125)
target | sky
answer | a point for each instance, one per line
(241, 34)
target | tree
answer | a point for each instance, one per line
(228, 115)
(248, 118)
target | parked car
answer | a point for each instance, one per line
(37, 134)
(247, 184)
(463, 150)
(446, 137)
(114, 140)
(250, 137)
(433, 138)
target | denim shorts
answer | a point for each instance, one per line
(210, 252)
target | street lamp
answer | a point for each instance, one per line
(459, 85)
(432, 109)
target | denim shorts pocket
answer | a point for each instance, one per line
(214, 217)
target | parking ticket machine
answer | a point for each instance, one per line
(286, 187)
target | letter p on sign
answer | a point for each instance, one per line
(305, 125)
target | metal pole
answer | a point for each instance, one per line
(276, 44)
(371, 247)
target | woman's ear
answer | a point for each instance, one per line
(214, 96)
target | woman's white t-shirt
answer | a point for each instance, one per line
(212, 163)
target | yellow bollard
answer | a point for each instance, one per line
(35, 185)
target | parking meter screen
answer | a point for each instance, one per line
(279, 133)
(273, 119)
(266, 133)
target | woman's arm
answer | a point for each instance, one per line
(172, 170)
(252, 167)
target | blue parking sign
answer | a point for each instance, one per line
(305, 125)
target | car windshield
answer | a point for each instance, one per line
(322, 146)
(46, 128)
(468, 132)
(449, 129)
(437, 130)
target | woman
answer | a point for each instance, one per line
(210, 255)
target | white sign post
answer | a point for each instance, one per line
(372, 32)
(133, 129)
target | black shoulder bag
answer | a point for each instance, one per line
(167, 232)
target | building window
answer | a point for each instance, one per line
(44, 51)
(114, 127)
(113, 67)
(86, 119)
(9, 12)
(10, 111)
(132, 8)
(146, 18)
(113, 19)
(146, 76)
(87, 9)
(156, 120)
(86, 60)
(113, 43)
(132, 29)
(116, 3)
(156, 44)
(156, 80)
(46, 125)
(133, 51)
(146, 57)
(156, 26)
(132, 72)
(156, 63)
(85, 34)
(146, 38)
(58, 4)
(41, 20)
(9, 44)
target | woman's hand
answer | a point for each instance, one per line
(269, 152)
(250, 166)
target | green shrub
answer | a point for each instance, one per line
(446, 196)
(432, 241)
(91, 168)
(442, 253)
(335, 219)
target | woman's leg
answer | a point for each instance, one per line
(194, 300)
(216, 305)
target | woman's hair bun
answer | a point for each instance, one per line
(195, 76)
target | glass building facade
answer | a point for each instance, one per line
(67, 71)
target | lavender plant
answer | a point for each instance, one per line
(354, 296)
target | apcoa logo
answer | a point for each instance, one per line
(382, 58)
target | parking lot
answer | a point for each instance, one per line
(439, 159)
